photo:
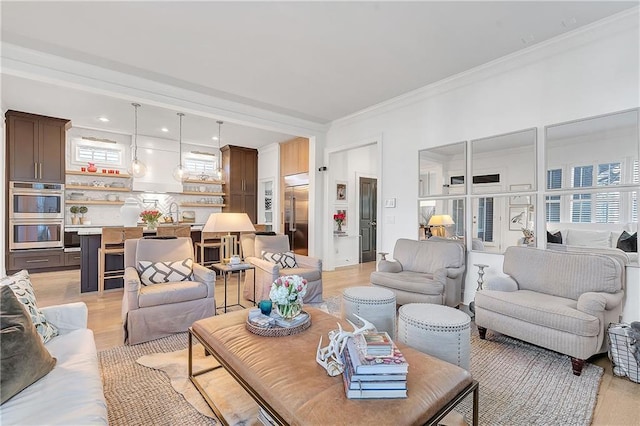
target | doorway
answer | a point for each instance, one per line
(368, 218)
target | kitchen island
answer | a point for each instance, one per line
(90, 240)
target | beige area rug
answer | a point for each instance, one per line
(519, 384)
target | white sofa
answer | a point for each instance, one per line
(598, 236)
(71, 394)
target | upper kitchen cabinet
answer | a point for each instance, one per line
(36, 147)
(294, 157)
(240, 166)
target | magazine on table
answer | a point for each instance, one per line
(381, 382)
(363, 364)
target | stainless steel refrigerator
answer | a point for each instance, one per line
(296, 212)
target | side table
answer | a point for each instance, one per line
(225, 269)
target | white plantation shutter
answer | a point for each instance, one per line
(634, 194)
(608, 204)
(485, 219)
(581, 176)
(554, 181)
(103, 156)
(198, 166)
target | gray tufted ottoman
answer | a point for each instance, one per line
(375, 304)
(436, 330)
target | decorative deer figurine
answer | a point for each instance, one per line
(329, 356)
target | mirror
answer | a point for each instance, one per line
(442, 170)
(593, 152)
(501, 222)
(505, 162)
(443, 218)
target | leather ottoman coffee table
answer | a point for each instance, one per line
(281, 374)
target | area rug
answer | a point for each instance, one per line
(519, 384)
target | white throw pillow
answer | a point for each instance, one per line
(164, 272)
(285, 260)
(20, 284)
(588, 238)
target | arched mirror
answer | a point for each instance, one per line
(504, 163)
(442, 170)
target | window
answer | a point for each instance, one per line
(101, 155)
(457, 214)
(198, 166)
(581, 176)
(608, 204)
(485, 219)
(554, 181)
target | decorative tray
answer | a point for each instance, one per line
(275, 330)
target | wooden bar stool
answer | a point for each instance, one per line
(112, 243)
(207, 240)
(174, 231)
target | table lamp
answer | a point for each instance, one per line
(438, 222)
(228, 222)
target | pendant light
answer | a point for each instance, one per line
(218, 173)
(137, 168)
(179, 173)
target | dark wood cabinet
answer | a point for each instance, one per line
(35, 147)
(35, 259)
(240, 167)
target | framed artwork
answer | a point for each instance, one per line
(518, 218)
(519, 200)
(341, 191)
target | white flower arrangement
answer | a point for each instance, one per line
(288, 290)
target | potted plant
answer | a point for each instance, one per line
(82, 210)
(74, 211)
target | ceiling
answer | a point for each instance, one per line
(317, 61)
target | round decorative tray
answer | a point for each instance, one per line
(276, 331)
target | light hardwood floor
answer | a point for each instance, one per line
(618, 398)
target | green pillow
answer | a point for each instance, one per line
(20, 283)
(23, 357)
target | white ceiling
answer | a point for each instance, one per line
(317, 61)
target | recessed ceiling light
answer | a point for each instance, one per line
(215, 138)
(164, 129)
(103, 119)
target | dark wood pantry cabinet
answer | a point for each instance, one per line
(240, 166)
(35, 147)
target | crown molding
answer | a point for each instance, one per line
(40, 66)
(615, 24)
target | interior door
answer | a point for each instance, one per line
(368, 219)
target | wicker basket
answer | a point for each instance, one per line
(624, 352)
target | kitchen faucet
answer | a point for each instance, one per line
(177, 211)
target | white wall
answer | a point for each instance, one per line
(591, 72)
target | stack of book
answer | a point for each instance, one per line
(367, 376)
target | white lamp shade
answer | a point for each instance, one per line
(228, 222)
(441, 220)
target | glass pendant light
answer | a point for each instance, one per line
(137, 168)
(179, 173)
(217, 175)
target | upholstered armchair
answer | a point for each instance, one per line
(278, 261)
(183, 291)
(562, 301)
(423, 272)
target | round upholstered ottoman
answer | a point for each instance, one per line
(375, 304)
(436, 330)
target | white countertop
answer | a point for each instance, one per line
(97, 230)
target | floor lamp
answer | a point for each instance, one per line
(228, 222)
(438, 222)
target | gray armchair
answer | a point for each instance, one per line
(423, 272)
(562, 301)
(266, 272)
(154, 311)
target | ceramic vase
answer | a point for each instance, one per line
(130, 212)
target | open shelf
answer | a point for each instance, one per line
(98, 174)
(94, 202)
(203, 193)
(201, 205)
(97, 188)
(204, 182)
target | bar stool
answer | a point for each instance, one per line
(112, 243)
(174, 231)
(207, 240)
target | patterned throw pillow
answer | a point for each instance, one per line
(20, 284)
(164, 272)
(285, 260)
